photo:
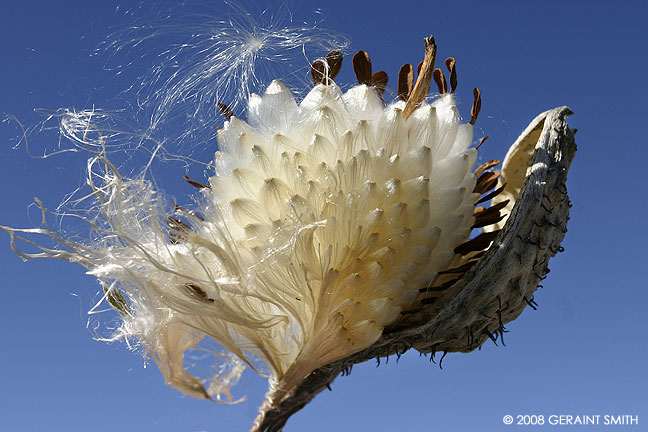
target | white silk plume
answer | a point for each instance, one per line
(321, 222)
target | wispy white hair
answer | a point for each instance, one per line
(217, 52)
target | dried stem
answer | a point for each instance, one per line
(422, 86)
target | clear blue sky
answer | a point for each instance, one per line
(582, 352)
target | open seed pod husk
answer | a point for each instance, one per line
(500, 283)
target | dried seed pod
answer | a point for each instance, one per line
(501, 276)
(362, 265)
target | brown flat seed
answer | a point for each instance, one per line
(177, 225)
(486, 182)
(405, 82)
(490, 215)
(488, 220)
(491, 195)
(191, 212)
(450, 64)
(198, 292)
(461, 269)
(483, 140)
(410, 312)
(318, 72)
(497, 207)
(379, 81)
(440, 81)
(196, 184)
(489, 185)
(486, 166)
(478, 255)
(476, 107)
(439, 288)
(225, 110)
(429, 300)
(334, 60)
(117, 300)
(481, 242)
(362, 67)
